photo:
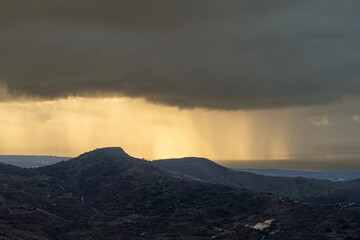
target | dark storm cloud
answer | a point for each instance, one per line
(210, 54)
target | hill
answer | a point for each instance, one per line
(107, 194)
(293, 187)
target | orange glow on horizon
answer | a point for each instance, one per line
(68, 127)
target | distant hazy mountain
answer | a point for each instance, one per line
(107, 194)
(30, 161)
(334, 176)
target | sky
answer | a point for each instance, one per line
(226, 80)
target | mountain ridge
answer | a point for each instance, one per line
(107, 194)
(114, 160)
(315, 190)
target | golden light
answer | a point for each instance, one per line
(68, 127)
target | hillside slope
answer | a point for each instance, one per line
(107, 194)
(293, 187)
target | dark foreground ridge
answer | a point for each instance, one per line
(107, 194)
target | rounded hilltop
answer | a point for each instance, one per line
(109, 160)
(107, 151)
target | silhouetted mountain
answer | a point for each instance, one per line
(206, 170)
(199, 168)
(106, 194)
(104, 161)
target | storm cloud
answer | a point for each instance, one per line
(209, 54)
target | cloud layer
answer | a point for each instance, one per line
(319, 121)
(209, 54)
